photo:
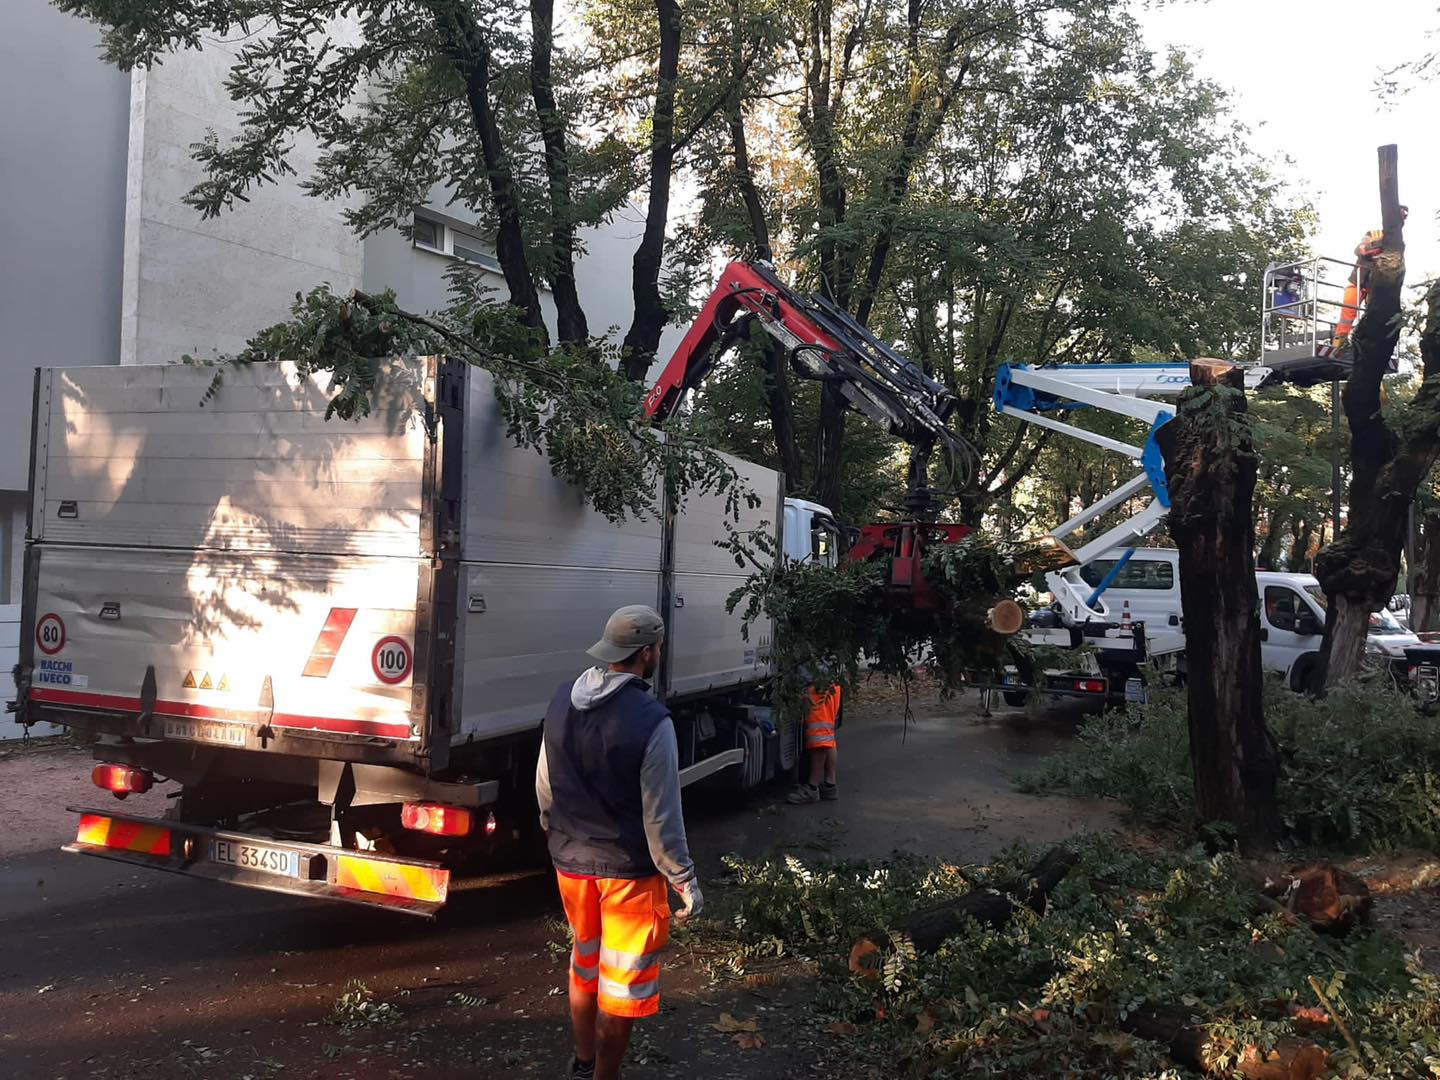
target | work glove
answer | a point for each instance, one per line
(692, 901)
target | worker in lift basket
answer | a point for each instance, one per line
(608, 785)
(1357, 291)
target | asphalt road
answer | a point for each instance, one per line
(110, 971)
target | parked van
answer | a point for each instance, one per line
(1292, 611)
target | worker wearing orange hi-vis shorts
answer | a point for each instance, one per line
(608, 786)
(822, 718)
(1356, 290)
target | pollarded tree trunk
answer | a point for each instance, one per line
(1210, 467)
(1359, 568)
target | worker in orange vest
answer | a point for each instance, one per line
(1356, 291)
(823, 716)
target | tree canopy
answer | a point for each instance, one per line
(981, 181)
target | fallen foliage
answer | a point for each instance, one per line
(1138, 961)
(1360, 766)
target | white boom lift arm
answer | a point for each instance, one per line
(1044, 395)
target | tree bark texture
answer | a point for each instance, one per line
(469, 54)
(570, 324)
(650, 313)
(1425, 591)
(1359, 568)
(1210, 468)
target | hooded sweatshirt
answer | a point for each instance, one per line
(663, 819)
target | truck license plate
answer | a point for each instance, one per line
(267, 860)
(208, 731)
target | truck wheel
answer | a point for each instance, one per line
(1015, 697)
(1300, 673)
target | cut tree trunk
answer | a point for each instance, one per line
(1190, 1045)
(928, 930)
(1210, 469)
(1358, 570)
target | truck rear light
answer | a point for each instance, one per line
(1089, 686)
(437, 819)
(121, 780)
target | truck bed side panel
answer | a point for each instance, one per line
(541, 573)
(709, 648)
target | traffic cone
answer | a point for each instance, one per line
(1125, 616)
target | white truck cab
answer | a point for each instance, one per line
(1292, 609)
(811, 533)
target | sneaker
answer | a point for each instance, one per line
(803, 793)
(581, 1070)
(829, 792)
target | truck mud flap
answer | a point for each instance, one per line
(412, 886)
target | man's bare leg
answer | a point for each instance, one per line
(817, 767)
(612, 1039)
(582, 1019)
(829, 757)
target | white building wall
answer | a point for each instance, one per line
(199, 286)
(62, 181)
(602, 274)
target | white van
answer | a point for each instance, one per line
(1292, 611)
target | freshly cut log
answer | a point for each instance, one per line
(928, 929)
(1331, 900)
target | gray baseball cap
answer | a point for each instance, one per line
(629, 629)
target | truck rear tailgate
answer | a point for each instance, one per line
(226, 645)
(219, 563)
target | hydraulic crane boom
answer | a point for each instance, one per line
(822, 342)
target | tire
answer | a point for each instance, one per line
(1016, 698)
(1300, 673)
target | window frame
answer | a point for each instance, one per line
(447, 234)
(1119, 582)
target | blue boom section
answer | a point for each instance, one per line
(1155, 378)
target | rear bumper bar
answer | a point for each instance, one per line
(412, 886)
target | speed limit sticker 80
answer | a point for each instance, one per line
(392, 660)
(50, 634)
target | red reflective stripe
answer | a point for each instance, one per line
(327, 645)
(393, 729)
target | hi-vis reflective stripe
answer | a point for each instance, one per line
(327, 645)
(584, 961)
(623, 961)
(99, 831)
(392, 879)
(629, 991)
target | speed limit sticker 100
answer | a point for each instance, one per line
(392, 660)
(50, 634)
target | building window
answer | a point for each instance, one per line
(472, 250)
(428, 234)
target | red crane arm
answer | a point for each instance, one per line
(743, 289)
